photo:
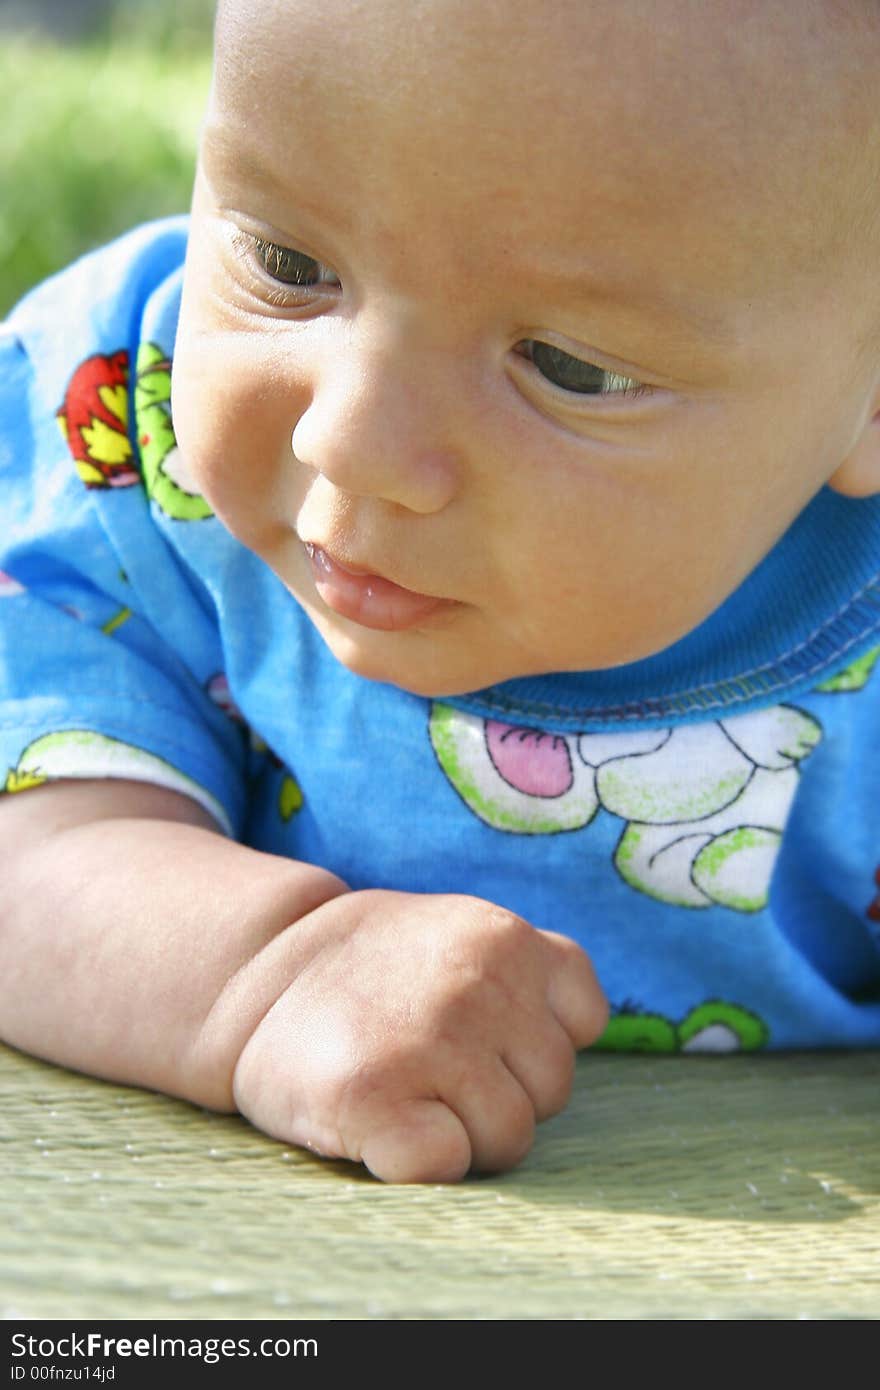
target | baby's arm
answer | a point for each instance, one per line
(420, 1034)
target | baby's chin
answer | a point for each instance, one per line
(426, 663)
(449, 660)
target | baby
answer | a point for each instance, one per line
(463, 654)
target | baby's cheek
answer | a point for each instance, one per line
(231, 438)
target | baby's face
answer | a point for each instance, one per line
(514, 335)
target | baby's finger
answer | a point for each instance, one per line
(574, 993)
(498, 1116)
(545, 1070)
(415, 1141)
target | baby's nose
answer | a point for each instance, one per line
(376, 429)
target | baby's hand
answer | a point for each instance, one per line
(423, 1035)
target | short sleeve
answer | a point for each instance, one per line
(110, 656)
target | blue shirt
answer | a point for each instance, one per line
(705, 822)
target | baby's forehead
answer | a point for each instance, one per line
(764, 107)
(762, 72)
(703, 41)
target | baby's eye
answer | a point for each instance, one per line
(290, 267)
(573, 373)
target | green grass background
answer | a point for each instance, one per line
(98, 134)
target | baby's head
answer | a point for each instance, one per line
(556, 315)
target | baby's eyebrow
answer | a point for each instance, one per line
(638, 303)
(644, 307)
(243, 165)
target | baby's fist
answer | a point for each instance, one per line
(423, 1035)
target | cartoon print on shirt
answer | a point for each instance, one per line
(715, 1026)
(82, 753)
(852, 677)
(93, 419)
(289, 798)
(705, 805)
(166, 476)
(121, 616)
(9, 587)
(873, 910)
(219, 692)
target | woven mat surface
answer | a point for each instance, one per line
(671, 1188)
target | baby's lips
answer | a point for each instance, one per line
(368, 599)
